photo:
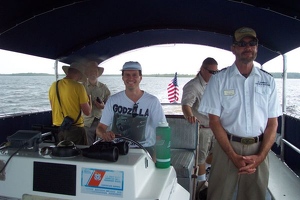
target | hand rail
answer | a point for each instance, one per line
(291, 145)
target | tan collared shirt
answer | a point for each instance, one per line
(192, 96)
(99, 90)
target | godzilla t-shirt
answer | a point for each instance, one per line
(137, 122)
(130, 126)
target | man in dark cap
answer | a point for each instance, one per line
(242, 104)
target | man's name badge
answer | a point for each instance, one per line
(228, 92)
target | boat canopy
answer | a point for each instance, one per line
(68, 30)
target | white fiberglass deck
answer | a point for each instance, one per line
(283, 182)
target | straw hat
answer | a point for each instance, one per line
(78, 66)
(94, 63)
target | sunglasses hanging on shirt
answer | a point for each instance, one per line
(134, 110)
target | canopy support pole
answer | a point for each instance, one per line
(284, 77)
(56, 69)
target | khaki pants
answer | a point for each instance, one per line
(75, 134)
(206, 144)
(224, 177)
(91, 132)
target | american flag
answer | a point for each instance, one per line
(173, 91)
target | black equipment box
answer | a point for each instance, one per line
(25, 138)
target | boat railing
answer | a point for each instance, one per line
(291, 145)
(284, 179)
(16, 114)
(287, 145)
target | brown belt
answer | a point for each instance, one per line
(202, 126)
(246, 140)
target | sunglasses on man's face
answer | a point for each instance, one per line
(252, 43)
(211, 71)
(134, 110)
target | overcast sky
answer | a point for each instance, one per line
(180, 58)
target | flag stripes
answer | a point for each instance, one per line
(173, 91)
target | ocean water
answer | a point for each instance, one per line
(27, 94)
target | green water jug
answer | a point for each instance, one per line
(162, 145)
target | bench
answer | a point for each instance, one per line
(283, 182)
(183, 150)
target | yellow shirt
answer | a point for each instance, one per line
(72, 94)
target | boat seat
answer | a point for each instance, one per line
(283, 182)
(183, 150)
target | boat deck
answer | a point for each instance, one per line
(283, 182)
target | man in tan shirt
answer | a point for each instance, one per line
(191, 97)
(99, 94)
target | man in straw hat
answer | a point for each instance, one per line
(99, 94)
(243, 108)
(68, 98)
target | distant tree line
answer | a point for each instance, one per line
(27, 74)
(291, 75)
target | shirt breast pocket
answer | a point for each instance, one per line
(230, 102)
(262, 96)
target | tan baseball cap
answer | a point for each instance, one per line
(244, 32)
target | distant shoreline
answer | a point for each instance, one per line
(291, 75)
(45, 74)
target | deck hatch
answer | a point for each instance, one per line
(54, 178)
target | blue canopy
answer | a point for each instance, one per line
(69, 30)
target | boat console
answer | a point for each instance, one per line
(32, 174)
